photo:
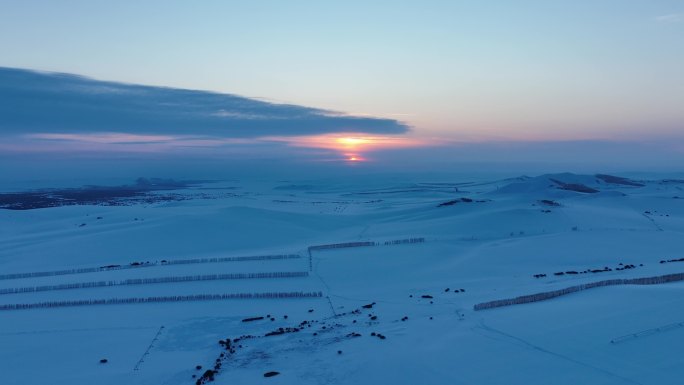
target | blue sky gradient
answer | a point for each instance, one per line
(479, 70)
(563, 83)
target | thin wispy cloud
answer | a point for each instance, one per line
(670, 18)
(110, 138)
(103, 143)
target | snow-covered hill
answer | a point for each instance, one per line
(391, 302)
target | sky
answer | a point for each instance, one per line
(463, 75)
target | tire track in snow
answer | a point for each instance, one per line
(518, 341)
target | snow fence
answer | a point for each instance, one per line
(573, 289)
(174, 298)
(136, 265)
(148, 281)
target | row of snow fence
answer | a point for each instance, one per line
(174, 298)
(573, 289)
(341, 245)
(366, 243)
(136, 265)
(147, 281)
(404, 241)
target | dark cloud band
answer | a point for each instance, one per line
(60, 103)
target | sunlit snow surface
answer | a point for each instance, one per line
(490, 247)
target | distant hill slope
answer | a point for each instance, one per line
(566, 184)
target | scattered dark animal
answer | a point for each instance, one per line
(103, 361)
(226, 343)
(426, 296)
(271, 374)
(252, 319)
(369, 306)
(208, 375)
(455, 201)
(283, 331)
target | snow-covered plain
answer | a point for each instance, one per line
(487, 246)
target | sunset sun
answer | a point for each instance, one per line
(353, 141)
(353, 147)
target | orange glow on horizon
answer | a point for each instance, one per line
(352, 145)
(353, 141)
(355, 158)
